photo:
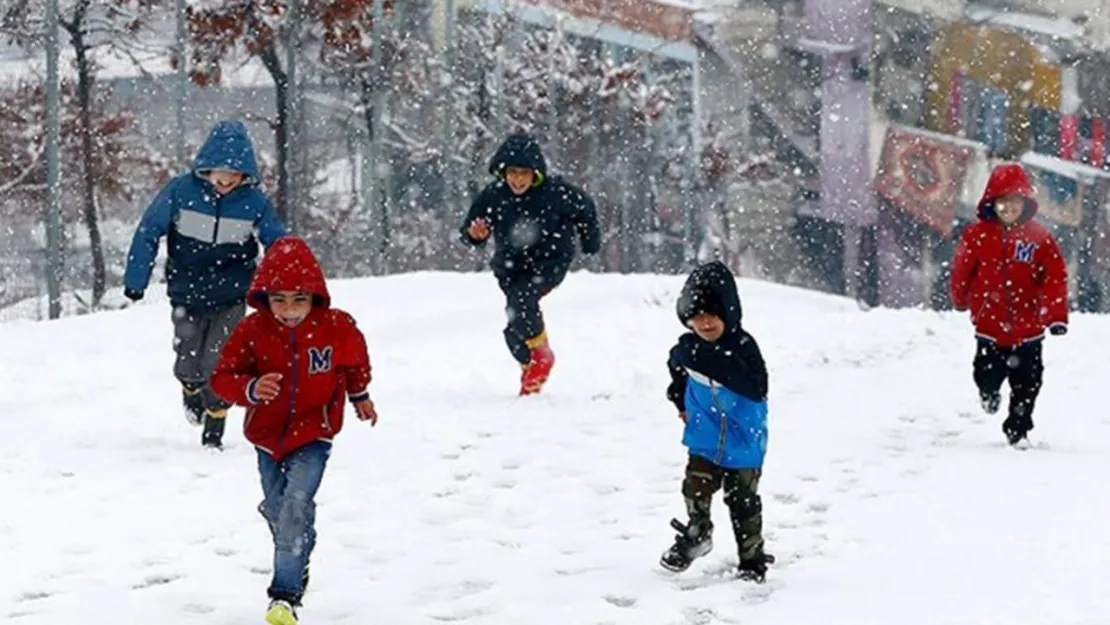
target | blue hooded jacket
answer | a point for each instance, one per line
(720, 385)
(212, 240)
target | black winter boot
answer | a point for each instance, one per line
(213, 435)
(192, 400)
(692, 542)
(754, 569)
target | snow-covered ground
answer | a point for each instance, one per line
(889, 498)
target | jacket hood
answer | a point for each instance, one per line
(519, 150)
(289, 265)
(228, 146)
(711, 288)
(1007, 179)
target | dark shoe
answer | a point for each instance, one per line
(692, 542)
(755, 569)
(1018, 440)
(990, 401)
(193, 402)
(213, 435)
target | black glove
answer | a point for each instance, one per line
(133, 295)
(1058, 329)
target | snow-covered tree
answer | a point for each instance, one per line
(93, 30)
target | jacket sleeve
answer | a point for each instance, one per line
(964, 264)
(1054, 285)
(755, 368)
(584, 214)
(154, 225)
(478, 208)
(269, 226)
(676, 390)
(355, 361)
(235, 373)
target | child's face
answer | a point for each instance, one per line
(225, 181)
(290, 307)
(519, 179)
(1009, 208)
(708, 327)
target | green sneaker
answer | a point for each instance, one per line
(281, 613)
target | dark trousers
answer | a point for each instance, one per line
(1024, 369)
(745, 507)
(523, 293)
(197, 340)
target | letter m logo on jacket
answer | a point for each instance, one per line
(1023, 251)
(319, 360)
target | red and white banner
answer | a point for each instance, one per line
(923, 174)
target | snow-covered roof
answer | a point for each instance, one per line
(1054, 27)
(1070, 169)
(586, 27)
(13, 69)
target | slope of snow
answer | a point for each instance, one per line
(889, 498)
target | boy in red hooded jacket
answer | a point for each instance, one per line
(293, 363)
(1009, 272)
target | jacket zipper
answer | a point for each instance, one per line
(722, 437)
(292, 395)
(216, 229)
(1006, 286)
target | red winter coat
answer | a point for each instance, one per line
(1013, 279)
(323, 360)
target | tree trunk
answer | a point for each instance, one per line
(381, 245)
(85, 81)
(272, 64)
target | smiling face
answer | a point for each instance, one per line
(224, 180)
(290, 308)
(1009, 209)
(519, 179)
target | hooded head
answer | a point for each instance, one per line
(1008, 180)
(228, 148)
(711, 289)
(520, 150)
(289, 266)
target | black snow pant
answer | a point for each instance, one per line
(198, 339)
(745, 507)
(1024, 369)
(523, 292)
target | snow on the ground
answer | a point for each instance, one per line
(889, 498)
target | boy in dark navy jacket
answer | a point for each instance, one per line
(212, 218)
(719, 385)
(534, 220)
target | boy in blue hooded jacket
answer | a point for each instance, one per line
(212, 218)
(719, 385)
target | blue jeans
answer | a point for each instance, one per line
(289, 489)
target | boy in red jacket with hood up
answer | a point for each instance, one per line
(293, 363)
(1009, 272)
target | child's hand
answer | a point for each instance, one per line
(479, 229)
(365, 411)
(682, 415)
(268, 386)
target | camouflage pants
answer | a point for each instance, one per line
(745, 508)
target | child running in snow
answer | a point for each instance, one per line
(534, 220)
(212, 218)
(719, 385)
(1009, 272)
(293, 364)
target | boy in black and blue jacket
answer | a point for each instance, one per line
(719, 385)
